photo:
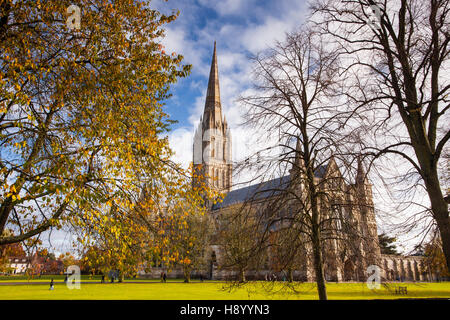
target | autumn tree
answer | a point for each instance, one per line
(90, 263)
(166, 223)
(82, 122)
(186, 238)
(68, 259)
(9, 250)
(397, 85)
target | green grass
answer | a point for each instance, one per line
(154, 290)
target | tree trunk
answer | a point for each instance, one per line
(187, 276)
(440, 213)
(315, 229)
(241, 275)
(439, 206)
(318, 267)
(290, 275)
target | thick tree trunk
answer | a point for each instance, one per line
(5, 209)
(318, 267)
(440, 213)
(439, 205)
(315, 227)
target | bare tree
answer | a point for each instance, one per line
(295, 83)
(397, 81)
(236, 230)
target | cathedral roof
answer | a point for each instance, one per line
(260, 191)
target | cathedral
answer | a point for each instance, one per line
(212, 157)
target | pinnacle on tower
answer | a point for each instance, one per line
(360, 173)
(299, 164)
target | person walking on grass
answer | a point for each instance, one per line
(52, 285)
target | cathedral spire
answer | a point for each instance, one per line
(212, 104)
(213, 139)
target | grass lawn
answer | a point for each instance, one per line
(154, 290)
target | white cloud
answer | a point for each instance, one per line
(181, 141)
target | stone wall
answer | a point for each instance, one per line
(401, 268)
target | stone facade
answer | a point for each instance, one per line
(400, 268)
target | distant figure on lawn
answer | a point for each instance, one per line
(65, 279)
(51, 285)
(164, 277)
(103, 278)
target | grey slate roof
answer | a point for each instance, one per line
(260, 191)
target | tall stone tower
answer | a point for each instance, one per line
(212, 138)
